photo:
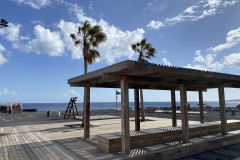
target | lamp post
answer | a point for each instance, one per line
(3, 23)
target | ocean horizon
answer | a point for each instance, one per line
(112, 105)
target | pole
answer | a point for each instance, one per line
(116, 100)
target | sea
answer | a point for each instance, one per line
(114, 105)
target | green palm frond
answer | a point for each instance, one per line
(73, 36)
(101, 37)
(143, 42)
(89, 37)
(134, 47)
(145, 50)
(93, 55)
(78, 42)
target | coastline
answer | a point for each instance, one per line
(112, 105)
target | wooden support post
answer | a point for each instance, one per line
(184, 113)
(173, 101)
(222, 110)
(83, 112)
(137, 111)
(142, 105)
(125, 116)
(201, 106)
(86, 112)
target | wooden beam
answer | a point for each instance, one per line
(222, 110)
(201, 106)
(142, 105)
(184, 113)
(86, 112)
(125, 116)
(83, 113)
(173, 102)
(137, 111)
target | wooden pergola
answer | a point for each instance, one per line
(137, 75)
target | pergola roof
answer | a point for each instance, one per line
(153, 76)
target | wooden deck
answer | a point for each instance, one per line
(25, 143)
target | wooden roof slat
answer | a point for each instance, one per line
(153, 76)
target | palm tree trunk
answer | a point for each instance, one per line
(85, 66)
(142, 105)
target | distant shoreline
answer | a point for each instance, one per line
(129, 102)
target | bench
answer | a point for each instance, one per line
(112, 142)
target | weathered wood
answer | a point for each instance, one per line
(156, 74)
(184, 113)
(173, 102)
(111, 142)
(222, 110)
(87, 112)
(142, 106)
(83, 112)
(125, 117)
(137, 111)
(201, 106)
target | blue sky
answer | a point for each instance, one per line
(37, 57)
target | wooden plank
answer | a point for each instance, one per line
(12, 144)
(4, 148)
(160, 75)
(50, 148)
(41, 145)
(87, 112)
(1, 144)
(20, 145)
(201, 106)
(222, 110)
(173, 103)
(184, 113)
(142, 106)
(26, 149)
(137, 111)
(31, 144)
(8, 151)
(125, 117)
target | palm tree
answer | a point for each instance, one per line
(90, 37)
(146, 51)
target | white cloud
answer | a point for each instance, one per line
(54, 43)
(71, 93)
(196, 66)
(90, 5)
(66, 29)
(200, 10)
(233, 38)
(166, 62)
(118, 42)
(36, 4)
(11, 33)
(46, 42)
(205, 62)
(232, 60)
(6, 92)
(155, 24)
(2, 58)
(199, 57)
(149, 4)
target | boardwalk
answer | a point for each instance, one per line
(25, 143)
(33, 136)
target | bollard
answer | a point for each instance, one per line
(58, 113)
(48, 113)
